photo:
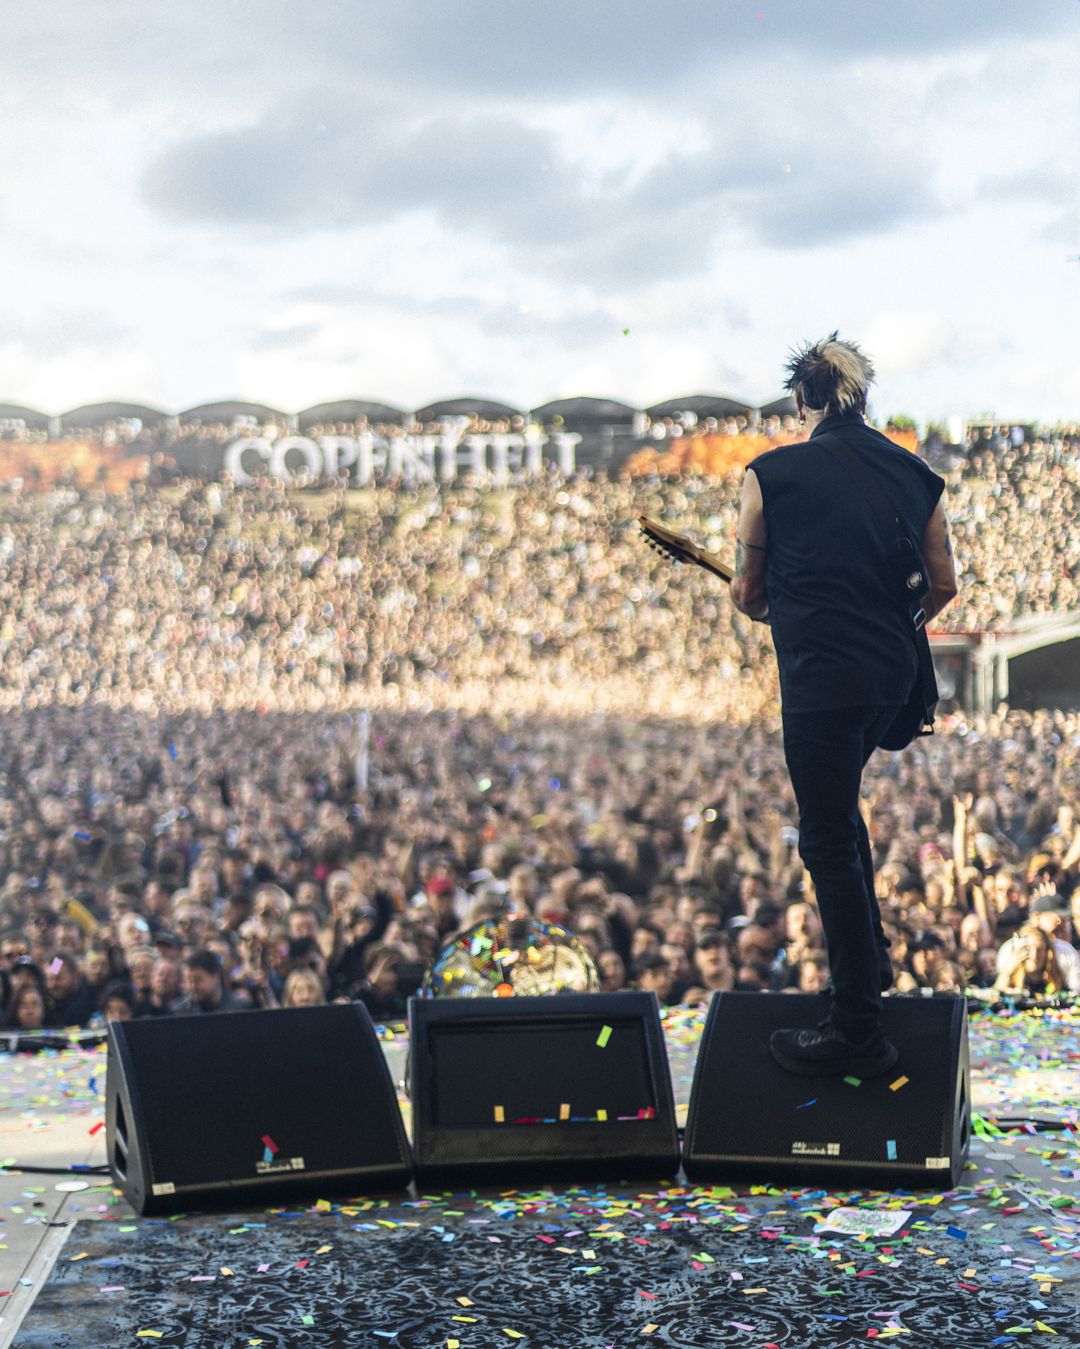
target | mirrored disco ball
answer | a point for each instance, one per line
(511, 956)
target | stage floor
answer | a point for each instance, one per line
(562, 1267)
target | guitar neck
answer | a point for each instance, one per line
(682, 549)
(715, 564)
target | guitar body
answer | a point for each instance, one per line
(916, 717)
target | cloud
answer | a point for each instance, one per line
(1044, 184)
(906, 342)
(533, 49)
(571, 331)
(570, 327)
(436, 167)
(358, 161)
(516, 47)
(60, 332)
(1062, 229)
(284, 339)
(836, 207)
(922, 342)
(257, 175)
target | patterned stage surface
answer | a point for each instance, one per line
(992, 1262)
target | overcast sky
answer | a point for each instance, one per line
(413, 199)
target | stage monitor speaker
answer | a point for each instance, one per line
(751, 1119)
(568, 1086)
(203, 1111)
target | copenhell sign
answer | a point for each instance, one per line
(409, 458)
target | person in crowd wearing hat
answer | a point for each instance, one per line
(167, 942)
(811, 561)
(24, 971)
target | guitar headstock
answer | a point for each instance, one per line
(679, 548)
(665, 541)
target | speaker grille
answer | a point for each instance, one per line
(537, 1085)
(257, 1097)
(746, 1112)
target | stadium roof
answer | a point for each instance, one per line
(98, 414)
(780, 407)
(466, 407)
(13, 412)
(702, 404)
(230, 410)
(349, 410)
(591, 411)
(585, 411)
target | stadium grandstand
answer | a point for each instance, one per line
(1012, 637)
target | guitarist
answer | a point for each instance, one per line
(812, 562)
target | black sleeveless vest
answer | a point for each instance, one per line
(841, 638)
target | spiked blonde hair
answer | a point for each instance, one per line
(830, 376)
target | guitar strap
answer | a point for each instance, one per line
(922, 702)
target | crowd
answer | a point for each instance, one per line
(204, 596)
(207, 863)
(194, 816)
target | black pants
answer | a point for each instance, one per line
(826, 752)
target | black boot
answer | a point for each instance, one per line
(824, 1051)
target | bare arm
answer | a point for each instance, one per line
(748, 583)
(736, 819)
(334, 942)
(961, 805)
(696, 850)
(941, 569)
(980, 906)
